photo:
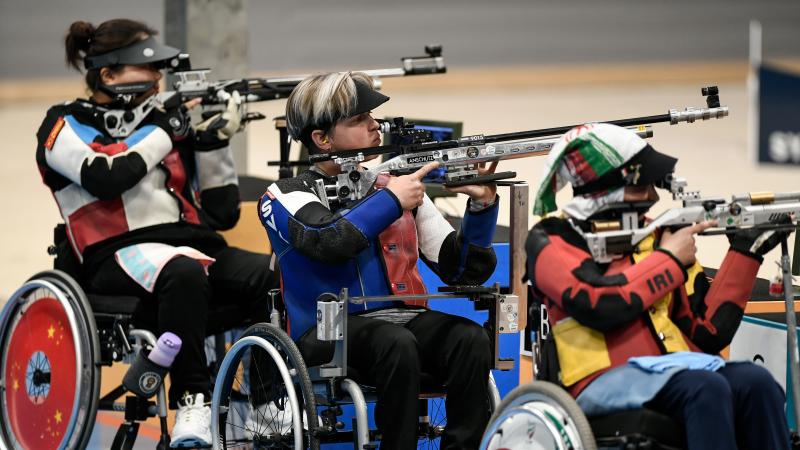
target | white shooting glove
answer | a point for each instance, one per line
(225, 124)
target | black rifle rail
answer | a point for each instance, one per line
(193, 83)
(711, 94)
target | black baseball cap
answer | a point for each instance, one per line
(645, 167)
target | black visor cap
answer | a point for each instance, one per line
(147, 51)
(367, 99)
(655, 166)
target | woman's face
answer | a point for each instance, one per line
(356, 132)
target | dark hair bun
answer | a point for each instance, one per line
(82, 33)
(78, 40)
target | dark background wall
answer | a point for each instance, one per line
(292, 35)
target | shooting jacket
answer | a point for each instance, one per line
(643, 304)
(144, 188)
(370, 247)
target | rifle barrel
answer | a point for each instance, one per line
(561, 130)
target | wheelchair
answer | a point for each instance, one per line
(54, 339)
(542, 415)
(306, 402)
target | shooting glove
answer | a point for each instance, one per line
(221, 126)
(757, 242)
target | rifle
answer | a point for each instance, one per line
(609, 239)
(193, 83)
(459, 159)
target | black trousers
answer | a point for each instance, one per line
(181, 301)
(455, 351)
(739, 406)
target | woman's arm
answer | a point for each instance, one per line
(463, 257)
(218, 185)
(568, 276)
(106, 170)
(713, 311)
(292, 211)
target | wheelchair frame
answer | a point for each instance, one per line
(334, 388)
(546, 404)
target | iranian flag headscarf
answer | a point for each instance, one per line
(598, 160)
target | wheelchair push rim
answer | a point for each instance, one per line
(233, 384)
(49, 396)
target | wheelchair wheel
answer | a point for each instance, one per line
(49, 365)
(539, 416)
(433, 424)
(241, 418)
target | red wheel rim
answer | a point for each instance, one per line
(39, 405)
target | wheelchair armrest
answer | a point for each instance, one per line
(483, 297)
(467, 289)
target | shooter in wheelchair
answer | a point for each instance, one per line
(142, 193)
(371, 246)
(635, 321)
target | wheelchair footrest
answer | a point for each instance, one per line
(638, 425)
(137, 408)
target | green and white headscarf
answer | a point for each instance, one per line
(584, 154)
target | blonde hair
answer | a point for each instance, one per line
(320, 101)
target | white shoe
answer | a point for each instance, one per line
(192, 423)
(268, 419)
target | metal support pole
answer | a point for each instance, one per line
(753, 86)
(791, 329)
(518, 232)
(285, 146)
